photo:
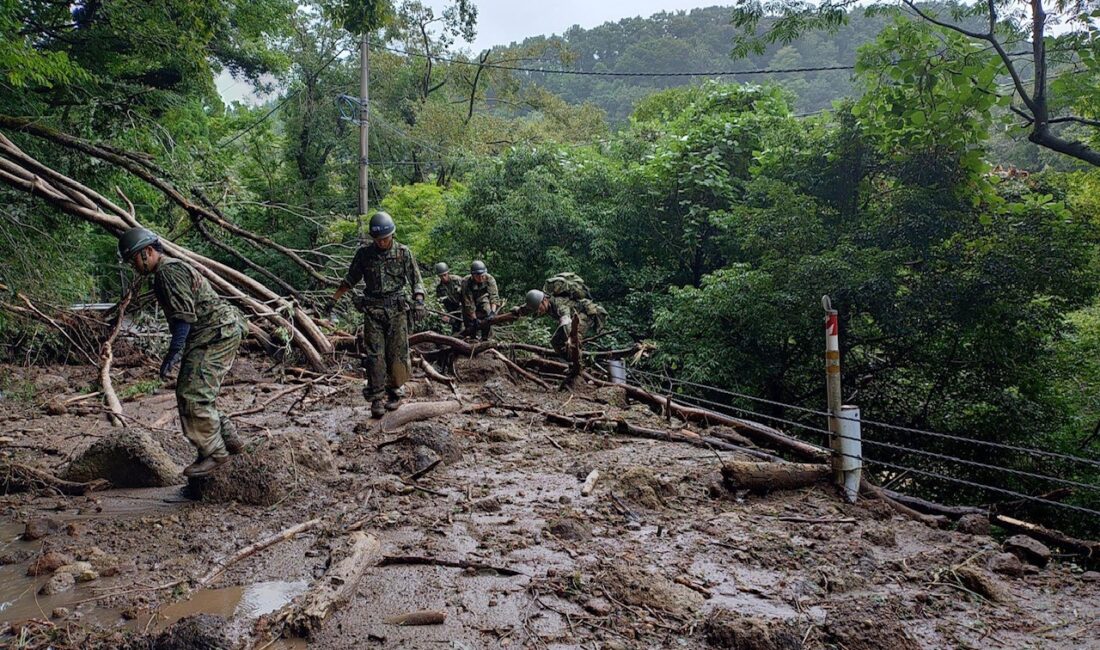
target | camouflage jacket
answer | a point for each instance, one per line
(385, 274)
(449, 294)
(481, 296)
(185, 295)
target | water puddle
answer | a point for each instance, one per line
(238, 604)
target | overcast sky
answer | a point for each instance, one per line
(501, 22)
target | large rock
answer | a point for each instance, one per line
(59, 583)
(266, 475)
(40, 527)
(1006, 564)
(1027, 549)
(126, 458)
(48, 563)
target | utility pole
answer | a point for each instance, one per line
(364, 126)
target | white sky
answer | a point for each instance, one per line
(501, 22)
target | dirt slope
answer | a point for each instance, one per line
(657, 556)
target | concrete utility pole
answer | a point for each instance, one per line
(364, 126)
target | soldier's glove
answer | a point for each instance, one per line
(419, 311)
(179, 330)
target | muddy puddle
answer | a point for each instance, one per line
(240, 605)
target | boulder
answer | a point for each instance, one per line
(974, 524)
(127, 458)
(1027, 549)
(59, 583)
(1006, 564)
(47, 563)
(40, 527)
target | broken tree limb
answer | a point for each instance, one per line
(530, 376)
(422, 617)
(269, 401)
(16, 477)
(406, 560)
(590, 482)
(875, 492)
(931, 508)
(762, 477)
(107, 355)
(1083, 547)
(338, 585)
(431, 373)
(221, 565)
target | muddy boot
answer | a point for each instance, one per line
(393, 400)
(233, 443)
(377, 409)
(204, 466)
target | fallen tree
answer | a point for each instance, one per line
(22, 172)
(336, 587)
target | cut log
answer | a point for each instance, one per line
(761, 477)
(423, 617)
(418, 411)
(16, 477)
(338, 584)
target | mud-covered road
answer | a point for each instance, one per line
(497, 536)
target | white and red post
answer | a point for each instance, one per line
(845, 438)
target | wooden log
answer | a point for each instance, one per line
(16, 477)
(337, 586)
(418, 411)
(422, 617)
(107, 355)
(221, 565)
(764, 477)
(1086, 548)
(875, 492)
(932, 508)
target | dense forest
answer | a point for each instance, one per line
(708, 216)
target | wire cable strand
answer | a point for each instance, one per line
(876, 423)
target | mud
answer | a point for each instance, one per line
(129, 458)
(648, 560)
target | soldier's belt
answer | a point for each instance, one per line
(394, 300)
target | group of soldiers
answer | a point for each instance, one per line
(206, 331)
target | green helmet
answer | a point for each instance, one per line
(133, 240)
(478, 268)
(381, 225)
(441, 268)
(534, 299)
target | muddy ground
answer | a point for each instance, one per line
(658, 556)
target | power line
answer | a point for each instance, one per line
(599, 73)
(282, 103)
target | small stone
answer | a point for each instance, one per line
(973, 525)
(74, 529)
(82, 571)
(60, 582)
(48, 563)
(40, 527)
(1006, 564)
(1027, 549)
(56, 408)
(565, 499)
(60, 612)
(1090, 576)
(598, 606)
(17, 556)
(491, 504)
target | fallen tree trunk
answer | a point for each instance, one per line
(1083, 547)
(23, 172)
(338, 585)
(931, 508)
(418, 411)
(763, 477)
(16, 477)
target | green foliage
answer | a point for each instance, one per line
(139, 388)
(419, 208)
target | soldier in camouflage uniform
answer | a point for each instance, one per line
(565, 309)
(480, 301)
(449, 293)
(393, 291)
(206, 332)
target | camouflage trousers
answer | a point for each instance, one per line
(561, 335)
(200, 379)
(386, 344)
